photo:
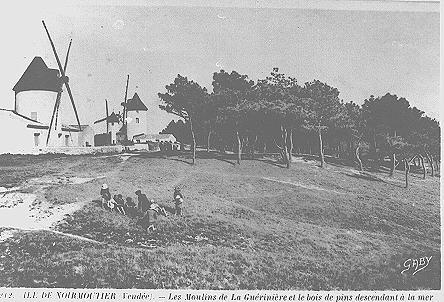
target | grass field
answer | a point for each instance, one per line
(253, 226)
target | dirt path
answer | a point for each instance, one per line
(25, 208)
(77, 237)
(296, 184)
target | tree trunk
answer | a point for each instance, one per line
(358, 157)
(392, 168)
(285, 150)
(430, 160)
(208, 141)
(193, 142)
(431, 165)
(421, 160)
(321, 147)
(407, 170)
(375, 155)
(239, 147)
(253, 147)
(246, 144)
(290, 150)
(350, 148)
(374, 142)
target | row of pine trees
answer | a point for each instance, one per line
(277, 114)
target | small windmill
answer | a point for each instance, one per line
(65, 81)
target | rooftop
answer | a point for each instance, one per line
(135, 104)
(38, 77)
(112, 118)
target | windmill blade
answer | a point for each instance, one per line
(125, 112)
(73, 105)
(57, 113)
(107, 114)
(59, 94)
(62, 72)
(54, 50)
(107, 123)
(64, 69)
(67, 55)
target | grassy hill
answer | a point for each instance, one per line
(253, 226)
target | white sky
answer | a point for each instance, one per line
(372, 47)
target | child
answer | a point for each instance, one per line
(149, 220)
(111, 204)
(131, 207)
(119, 203)
(105, 194)
(143, 202)
(159, 210)
(178, 200)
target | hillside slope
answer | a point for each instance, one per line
(254, 226)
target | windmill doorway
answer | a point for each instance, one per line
(36, 139)
(66, 140)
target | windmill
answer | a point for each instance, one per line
(65, 81)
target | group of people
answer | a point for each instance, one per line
(147, 209)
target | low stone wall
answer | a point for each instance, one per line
(82, 150)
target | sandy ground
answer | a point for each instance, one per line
(30, 211)
(25, 208)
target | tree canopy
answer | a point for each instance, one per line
(276, 114)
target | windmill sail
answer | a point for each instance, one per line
(62, 72)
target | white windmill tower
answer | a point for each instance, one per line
(136, 117)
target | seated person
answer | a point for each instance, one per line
(156, 207)
(119, 204)
(131, 207)
(143, 202)
(149, 219)
(111, 204)
(105, 195)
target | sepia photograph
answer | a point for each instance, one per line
(220, 145)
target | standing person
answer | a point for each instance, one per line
(106, 195)
(143, 202)
(178, 201)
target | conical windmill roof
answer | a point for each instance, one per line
(135, 103)
(38, 77)
(112, 118)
